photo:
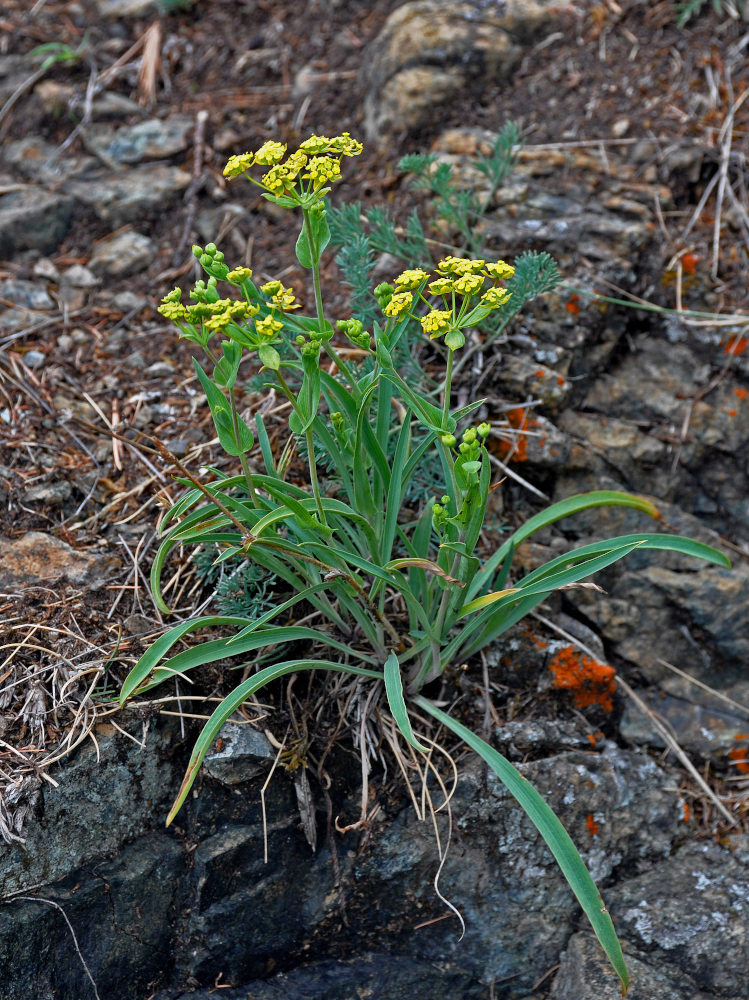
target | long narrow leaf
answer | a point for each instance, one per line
(238, 696)
(397, 703)
(549, 826)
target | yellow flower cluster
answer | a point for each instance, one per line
(281, 298)
(410, 279)
(213, 315)
(399, 304)
(320, 155)
(457, 276)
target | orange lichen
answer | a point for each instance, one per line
(593, 738)
(736, 345)
(516, 448)
(591, 826)
(740, 392)
(689, 262)
(731, 413)
(572, 305)
(589, 682)
(687, 811)
(739, 758)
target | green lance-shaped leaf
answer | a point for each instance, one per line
(549, 826)
(233, 701)
(233, 441)
(397, 703)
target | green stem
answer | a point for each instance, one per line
(448, 388)
(235, 424)
(286, 388)
(329, 349)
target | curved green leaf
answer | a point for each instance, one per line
(238, 696)
(397, 703)
(549, 826)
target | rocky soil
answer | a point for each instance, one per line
(633, 176)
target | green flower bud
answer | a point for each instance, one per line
(449, 440)
(210, 249)
(197, 251)
(484, 430)
(470, 435)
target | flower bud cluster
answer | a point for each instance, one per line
(354, 330)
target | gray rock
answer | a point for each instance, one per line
(380, 976)
(692, 912)
(120, 913)
(48, 494)
(154, 139)
(584, 974)
(126, 8)
(25, 294)
(33, 219)
(428, 50)
(121, 198)
(515, 902)
(14, 70)
(37, 559)
(121, 254)
(240, 754)
(107, 793)
(41, 162)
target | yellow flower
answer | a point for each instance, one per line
(499, 270)
(442, 286)
(469, 284)
(411, 279)
(269, 326)
(436, 322)
(218, 321)
(295, 163)
(239, 274)
(495, 297)
(270, 153)
(459, 265)
(322, 170)
(238, 164)
(344, 145)
(282, 298)
(277, 180)
(173, 310)
(399, 304)
(315, 145)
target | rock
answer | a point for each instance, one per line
(154, 139)
(500, 875)
(702, 724)
(32, 219)
(25, 294)
(107, 793)
(76, 284)
(38, 559)
(241, 753)
(121, 254)
(585, 974)
(14, 70)
(121, 198)
(381, 976)
(126, 8)
(428, 50)
(48, 494)
(691, 912)
(120, 912)
(42, 162)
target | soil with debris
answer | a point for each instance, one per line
(83, 350)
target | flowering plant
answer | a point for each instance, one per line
(398, 594)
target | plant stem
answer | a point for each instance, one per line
(448, 387)
(235, 424)
(310, 447)
(329, 349)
